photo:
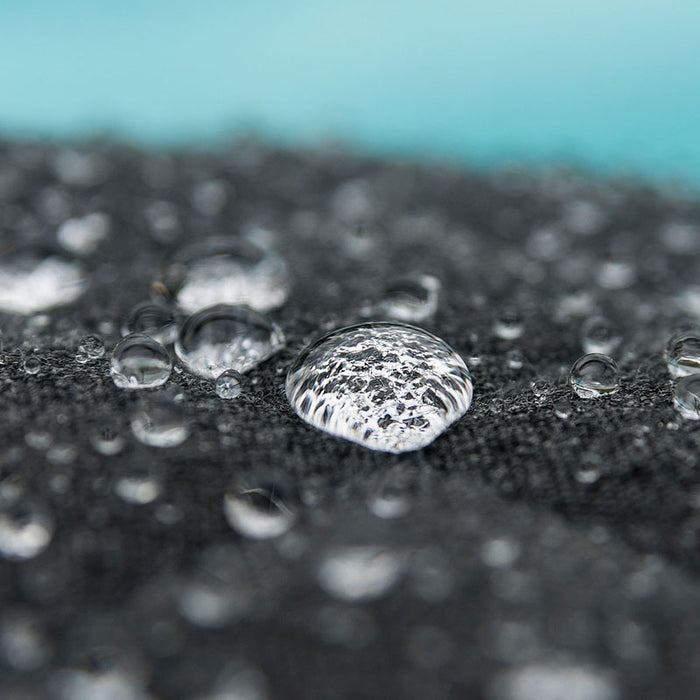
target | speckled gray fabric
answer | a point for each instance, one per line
(546, 546)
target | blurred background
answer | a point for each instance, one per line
(613, 86)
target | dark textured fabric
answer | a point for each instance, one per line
(546, 534)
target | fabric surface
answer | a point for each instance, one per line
(545, 546)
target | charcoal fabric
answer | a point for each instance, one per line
(548, 544)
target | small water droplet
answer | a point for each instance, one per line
(686, 396)
(107, 440)
(154, 320)
(33, 279)
(163, 221)
(224, 271)
(260, 510)
(138, 489)
(683, 354)
(32, 365)
(411, 299)
(229, 384)
(617, 274)
(587, 475)
(594, 375)
(92, 346)
(209, 197)
(83, 236)
(509, 325)
(226, 337)
(26, 526)
(598, 335)
(159, 422)
(388, 387)
(140, 362)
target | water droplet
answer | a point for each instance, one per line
(360, 573)
(587, 475)
(386, 386)
(163, 221)
(261, 510)
(224, 271)
(92, 346)
(616, 274)
(26, 527)
(226, 337)
(686, 396)
(594, 375)
(107, 440)
(83, 236)
(140, 362)
(33, 279)
(138, 489)
(500, 552)
(23, 646)
(598, 335)
(509, 325)
(209, 197)
(154, 320)
(411, 299)
(683, 354)
(158, 422)
(32, 365)
(229, 384)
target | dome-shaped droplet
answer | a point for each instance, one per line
(160, 422)
(140, 362)
(259, 510)
(229, 384)
(92, 346)
(83, 236)
(34, 279)
(386, 386)
(26, 526)
(154, 320)
(683, 354)
(32, 364)
(224, 271)
(594, 375)
(509, 325)
(411, 298)
(226, 337)
(686, 396)
(599, 335)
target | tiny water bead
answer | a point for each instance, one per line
(229, 384)
(683, 354)
(83, 236)
(26, 526)
(224, 271)
(137, 489)
(224, 337)
(159, 422)
(411, 299)
(686, 396)
(509, 325)
(33, 279)
(389, 387)
(259, 511)
(154, 320)
(32, 365)
(92, 346)
(140, 362)
(594, 375)
(599, 335)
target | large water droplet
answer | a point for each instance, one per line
(34, 279)
(686, 396)
(159, 422)
(411, 298)
(224, 271)
(683, 354)
(226, 337)
(154, 320)
(26, 526)
(140, 362)
(594, 375)
(389, 387)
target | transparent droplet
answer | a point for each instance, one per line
(686, 396)
(140, 362)
(23, 645)
(159, 422)
(683, 354)
(34, 279)
(209, 197)
(411, 299)
(224, 271)
(107, 440)
(594, 375)
(92, 346)
(360, 573)
(32, 365)
(617, 274)
(388, 387)
(163, 221)
(83, 236)
(562, 408)
(138, 489)
(260, 510)
(26, 526)
(226, 337)
(154, 320)
(229, 384)
(509, 325)
(599, 335)
(390, 496)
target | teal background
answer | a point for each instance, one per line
(610, 85)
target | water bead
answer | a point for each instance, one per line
(388, 387)
(26, 526)
(83, 236)
(683, 354)
(594, 375)
(92, 346)
(411, 299)
(686, 396)
(598, 335)
(260, 510)
(32, 365)
(137, 489)
(226, 337)
(154, 320)
(159, 422)
(229, 384)
(224, 271)
(140, 362)
(508, 326)
(34, 279)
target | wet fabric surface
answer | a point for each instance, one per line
(545, 546)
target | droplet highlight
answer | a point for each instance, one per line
(140, 362)
(686, 396)
(683, 354)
